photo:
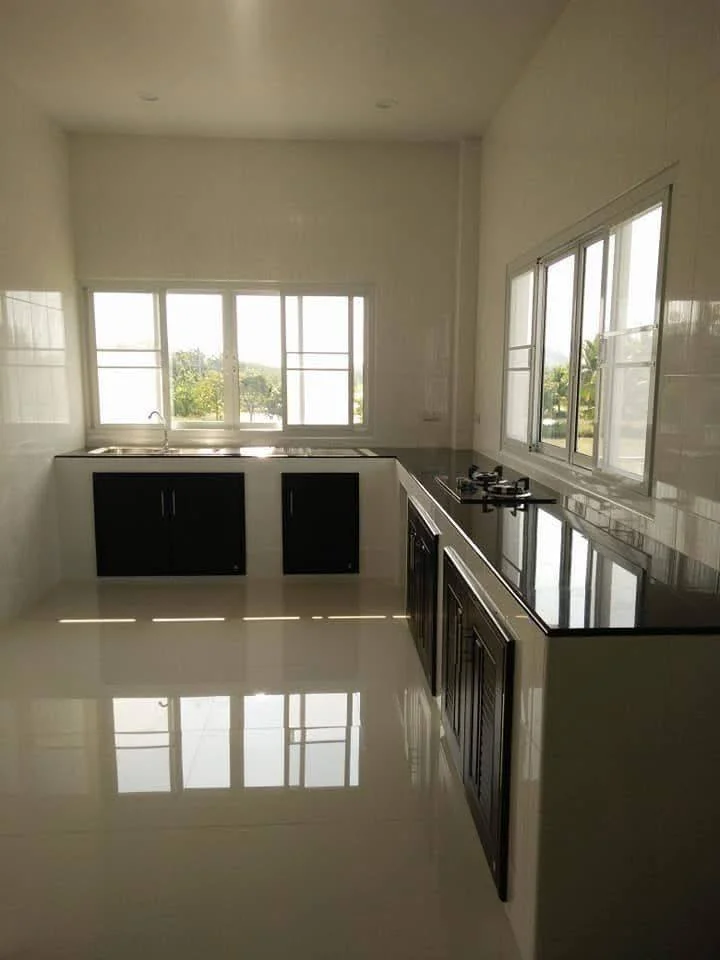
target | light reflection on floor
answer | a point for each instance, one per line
(197, 782)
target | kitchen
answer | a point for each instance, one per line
(612, 96)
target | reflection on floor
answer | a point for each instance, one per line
(188, 775)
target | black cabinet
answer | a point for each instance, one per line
(321, 522)
(421, 589)
(158, 524)
(477, 701)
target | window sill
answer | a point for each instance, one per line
(575, 481)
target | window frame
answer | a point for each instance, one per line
(231, 427)
(596, 227)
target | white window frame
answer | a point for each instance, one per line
(598, 226)
(232, 428)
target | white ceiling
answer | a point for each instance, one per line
(272, 68)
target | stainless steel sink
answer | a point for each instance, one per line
(257, 452)
(134, 451)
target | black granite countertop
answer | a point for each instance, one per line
(570, 576)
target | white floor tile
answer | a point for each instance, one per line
(235, 787)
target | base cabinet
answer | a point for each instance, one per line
(422, 590)
(321, 522)
(155, 524)
(477, 703)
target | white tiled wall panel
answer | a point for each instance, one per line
(40, 394)
(620, 90)
(382, 214)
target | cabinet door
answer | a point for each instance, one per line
(131, 524)
(421, 597)
(321, 522)
(488, 748)
(207, 523)
(429, 601)
(452, 658)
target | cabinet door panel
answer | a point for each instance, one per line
(452, 659)
(421, 595)
(207, 527)
(131, 524)
(489, 747)
(321, 522)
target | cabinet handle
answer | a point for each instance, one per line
(173, 503)
(162, 504)
(292, 503)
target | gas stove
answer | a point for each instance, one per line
(491, 489)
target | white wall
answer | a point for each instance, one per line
(386, 214)
(619, 90)
(40, 396)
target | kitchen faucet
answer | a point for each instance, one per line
(163, 421)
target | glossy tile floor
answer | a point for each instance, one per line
(238, 787)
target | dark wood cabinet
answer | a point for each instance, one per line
(321, 522)
(422, 589)
(477, 702)
(158, 524)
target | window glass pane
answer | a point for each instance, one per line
(560, 284)
(633, 262)
(589, 348)
(123, 358)
(521, 309)
(635, 346)
(519, 358)
(125, 321)
(325, 325)
(627, 403)
(260, 358)
(517, 406)
(317, 397)
(358, 359)
(314, 361)
(128, 396)
(195, 345)
(632, 282)
(292, 323)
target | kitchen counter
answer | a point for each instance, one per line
(570, 576)
(249, 452)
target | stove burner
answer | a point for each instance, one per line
(509, 489)
(492, 490)
(484, 477)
